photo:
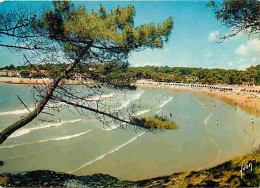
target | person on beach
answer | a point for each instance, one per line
(59, 116)
(171, 116)
(217, 123)
(235, 106)
(252, 129)
(253, 122)
(162, 115)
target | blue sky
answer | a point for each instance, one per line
(192, 42)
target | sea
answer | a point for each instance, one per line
(75, 141)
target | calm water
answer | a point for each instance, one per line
(82, 145)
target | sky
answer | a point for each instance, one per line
(192, 42)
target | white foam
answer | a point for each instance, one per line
(25, 111)
(12, 146)
(200, 103)
(115, 126)
(216, 145)
(124, 105)
(65, 137)
(47, 140)
(43, 126)
(206, 120)
(16, 112)
(141, 112)
(97, 98)
(56, 105)
(136, 96)
(111, 151)
(165, 102)
(111, 128)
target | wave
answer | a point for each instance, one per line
(56, 105)
(206, 120)
(25, 111)
(97, 98)
(136, 96)
(110, 128)
(65, 137)
(16, 112)
(124, 105)
(43, 126)
(47, 140)
(165, 102)
(214, 143)
(200, 103)
(111, 151)
(115, 126)
(141, 112)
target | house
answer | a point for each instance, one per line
(91, 69)
(78, 76)
(191, 78)
(248, 83)
(145, 81)
(8, 73)
(39, 73)
(3, 72)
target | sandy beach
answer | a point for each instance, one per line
(246, 101)
(15, 80)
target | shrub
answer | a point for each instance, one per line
(159, 123)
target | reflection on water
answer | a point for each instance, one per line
(210, 131)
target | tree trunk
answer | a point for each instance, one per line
(51, 88)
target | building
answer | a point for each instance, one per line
(91, 69)
(8, 73)
(191, 78)
(3, 72)
(248, 83)
(39, 73)
(78, 76)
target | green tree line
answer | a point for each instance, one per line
(121, 71)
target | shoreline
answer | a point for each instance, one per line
(15, 80)
(245, 102)
(35, 81)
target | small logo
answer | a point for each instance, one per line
(246, 167)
